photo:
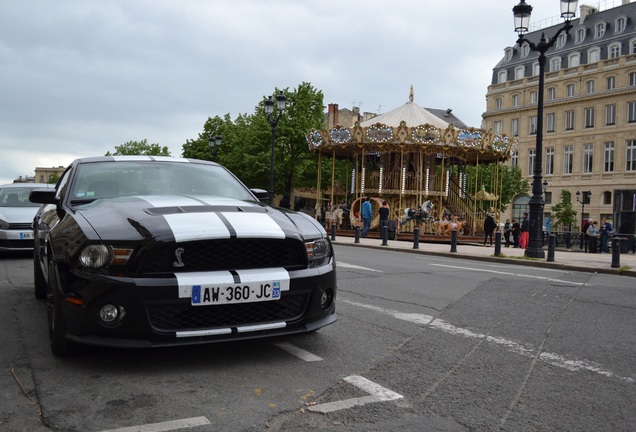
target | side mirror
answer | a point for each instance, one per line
(43, 196)
(260, 194)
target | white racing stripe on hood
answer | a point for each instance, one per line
(196, 226)
(254, 225)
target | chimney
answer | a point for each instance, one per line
(586, 10)
(332, 119)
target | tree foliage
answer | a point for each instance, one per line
(495, 176)
(133, 148)
(562, 212)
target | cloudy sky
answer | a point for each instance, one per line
(79, 77)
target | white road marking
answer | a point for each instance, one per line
(515, 347)
(357, 267)
(165, 426)
(377, 392)
(511, 274)
(298, 352)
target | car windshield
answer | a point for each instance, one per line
(16, 197)
(97, 180)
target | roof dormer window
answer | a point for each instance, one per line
(525, 49)
(599, 30)
(620, 24)
(560, 43)
(579, 36)
(509, 53)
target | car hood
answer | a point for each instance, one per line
(180, 219)
(18, 215)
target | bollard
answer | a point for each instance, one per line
(385, 235)
(551, 247)
(416, 238)
(357, 240)
(498, 243)
(568, 240)
(333, 232)
(616, 252)
(454, 240)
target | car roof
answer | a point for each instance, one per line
(141, 158)
(27, 185)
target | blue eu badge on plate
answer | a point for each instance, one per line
(196, 294)
(276, 289)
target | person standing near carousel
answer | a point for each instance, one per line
(367, 216)
(525, 231)
(489, 228)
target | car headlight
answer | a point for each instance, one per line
(4, 224)
(318, 251)
(100, 256)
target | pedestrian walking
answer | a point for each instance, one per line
(525, 231)
(384, 215)
(367, 215)
(605, 231)
(489, 228)
(516, 232)
(591, 236)
(507, 232)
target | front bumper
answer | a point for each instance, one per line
(155, 316)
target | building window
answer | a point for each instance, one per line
(533, 125)
(610, 83)
(560, 43)
(630, 156)
(520, 72)
(620, 25)
(610, 115)
(525, 49)
(574, 59)
(579, 35)
(593, 55)
(514, 159)
(551, 93)
(569, 120)
(631, 112)
(632, 79)
(555, 64)
(550, 122)
(632, 46)
(589, 86)
(534, 97)
(535, 69)
(568, 159)
(531, 155)
(498, 127)
(614, 50)
(570, 90)
(589, 117)
(509, 53)
(502, 76)
(599, 30)
(608, 156)
(515, 100)
(549, 161)
(588, 157)
(514, 127)
(498, 103)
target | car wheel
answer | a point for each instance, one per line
(38, 279)
(60, 345)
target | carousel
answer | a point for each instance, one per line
(415, 161)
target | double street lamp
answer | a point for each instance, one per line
(214, 142)
(584, 200)
(521, 14)
(281, 101)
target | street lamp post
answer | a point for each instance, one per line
(521, 14)
(281, 101)
(585, 199)
(214, 142)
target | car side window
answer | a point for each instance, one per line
(62, 184)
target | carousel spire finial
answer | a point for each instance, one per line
(411, 94)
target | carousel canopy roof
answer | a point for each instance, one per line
(411, 128)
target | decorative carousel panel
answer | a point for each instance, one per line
(500, 143)
(340, 135)
(426, 134)
(379, 133)
(314, 140)
(470, 139)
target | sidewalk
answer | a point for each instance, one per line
(573, 259)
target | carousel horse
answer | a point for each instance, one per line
(422, 214)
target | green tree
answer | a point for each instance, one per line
(509, 178)
(133, 148)
(562, 212)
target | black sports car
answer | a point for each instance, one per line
(143, 251)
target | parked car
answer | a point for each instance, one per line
(16, 216)
(143, 251)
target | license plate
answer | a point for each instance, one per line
(238, 293)
(26, 236)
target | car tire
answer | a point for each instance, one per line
(39, 283)
(60, 345)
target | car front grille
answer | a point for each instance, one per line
(183, 316)
(21, 226)
(224, 254)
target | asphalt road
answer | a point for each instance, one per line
(421, 343)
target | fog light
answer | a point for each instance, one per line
(326, 299)
(109, 313)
